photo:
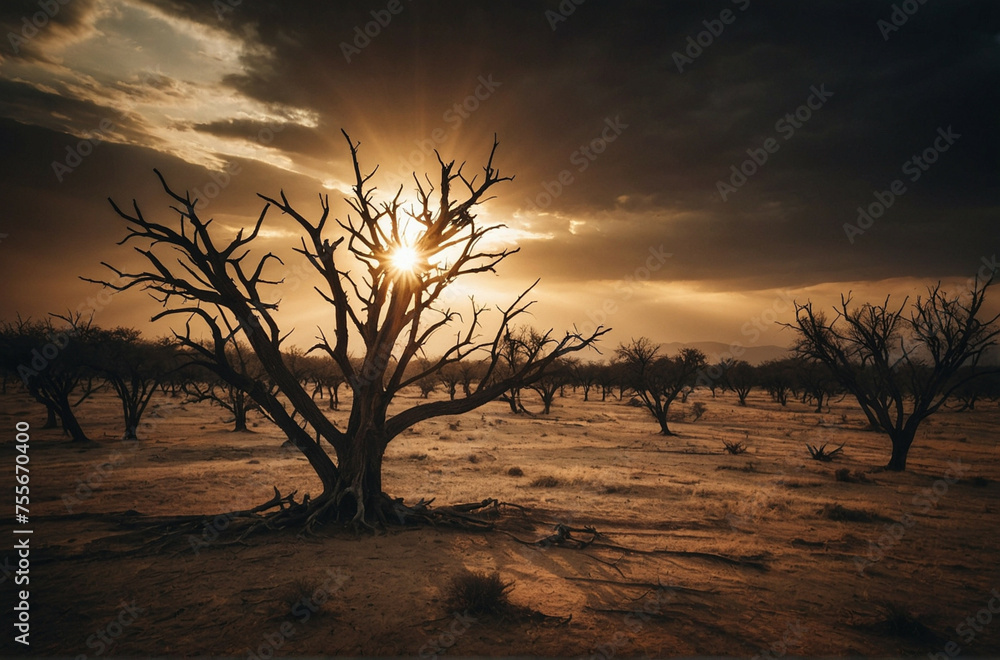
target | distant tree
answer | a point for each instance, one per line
(815, 382)
(133, 368)
(778, 378)
(429, 382)
(515, 349)
(975, 387)
(326, 375)
(658, 380)
(54, 365)
(450, 377)
(714, 376)
(741, 377)
(207, 385)
(550, 383)
(383, 271)
(901, 369)
(585, 375)
(609, 375)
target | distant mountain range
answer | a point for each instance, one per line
(714, 350)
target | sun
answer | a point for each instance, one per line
(404, 259)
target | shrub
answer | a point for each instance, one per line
(737, 447)
(479, 593)
(821, 454)
(545, 482)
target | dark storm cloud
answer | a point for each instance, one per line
(419, 83)
(685, 130)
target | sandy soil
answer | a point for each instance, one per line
(899, 581)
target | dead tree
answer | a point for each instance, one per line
(450, 377)
(54, 365)
(547, 386)
(133, 368)
(741, 377)
(383, 271)
(658, 380)
(901, 369)
(208, 386)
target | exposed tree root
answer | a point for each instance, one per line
(308, 516)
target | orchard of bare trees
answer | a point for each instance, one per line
(384, 269)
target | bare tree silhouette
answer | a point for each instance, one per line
(207, 385)
(741, 377)
(390, 311)
(658, 380)
(134, 368)
(54, 365)
(901, 369)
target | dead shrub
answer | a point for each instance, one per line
(479, 593)
(734, 447)
(545, 482)
(840, 513)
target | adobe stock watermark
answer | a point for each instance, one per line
(970, 628)
(634, 621)
(223, 7)
(220, 179)
(926, 500)
(453, 117)
(32, 25)
(714, 28)
(76, 153)
(901, 13)
(365, 34)
(792, 638)
(460, 624)
(624, 288)
(565, 9)
(752, 329)
(785, 127)
(104, 639)
(302, 611)
(913, 169)
(582, 159)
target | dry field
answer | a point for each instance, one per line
(767, 551)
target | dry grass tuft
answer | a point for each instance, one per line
(545, 482)
(735, 447)
(479, 593)
(844, 514)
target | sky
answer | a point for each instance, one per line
(683, 170)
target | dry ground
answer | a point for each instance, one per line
(608, 468)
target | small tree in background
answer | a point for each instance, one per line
(658, 380)
(900, 368)
(206, 384)
(134, 368)
(54, 365)
(741, 377)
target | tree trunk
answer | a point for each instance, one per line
(51, 421)
(70, 423)
(360, 470)
(662, 419)
(900, 448)
(240, 413)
